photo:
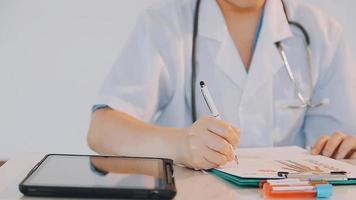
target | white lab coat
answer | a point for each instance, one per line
(151, 79)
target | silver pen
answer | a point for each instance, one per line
(212, 107)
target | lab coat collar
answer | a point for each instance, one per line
(275, 28)
(212, 26)
(211, 20)
(275, 25)
(267, 60)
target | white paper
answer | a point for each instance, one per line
(267, 162)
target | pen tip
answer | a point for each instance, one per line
(202, 83)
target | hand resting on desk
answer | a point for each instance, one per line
(338, 146)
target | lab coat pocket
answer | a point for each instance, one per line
(287, 121)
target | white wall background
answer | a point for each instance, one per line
(53, 57)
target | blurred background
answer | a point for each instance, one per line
(53, 57)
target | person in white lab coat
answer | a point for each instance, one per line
(145, 105)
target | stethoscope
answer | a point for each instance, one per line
(304, 102)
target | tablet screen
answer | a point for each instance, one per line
(98, 172)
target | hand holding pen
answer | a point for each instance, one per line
(213, 110)
(206, 144)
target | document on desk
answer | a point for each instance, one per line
(265, 163)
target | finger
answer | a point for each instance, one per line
(224, 130)
(234, 136)
(346, 147)
(220, 145)
(215, 158)
(319, 145)
(333, 143)
(206, 164)
(238, 133)
(202, 163)
(217, 127)
(353, 154)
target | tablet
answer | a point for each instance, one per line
(59, 175)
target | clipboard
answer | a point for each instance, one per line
(255, 182)
(260, 164)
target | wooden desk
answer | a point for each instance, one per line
(190, 184)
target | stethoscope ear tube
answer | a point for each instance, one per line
(194, 67)
(296, 24)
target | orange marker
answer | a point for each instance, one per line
(295, 188)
